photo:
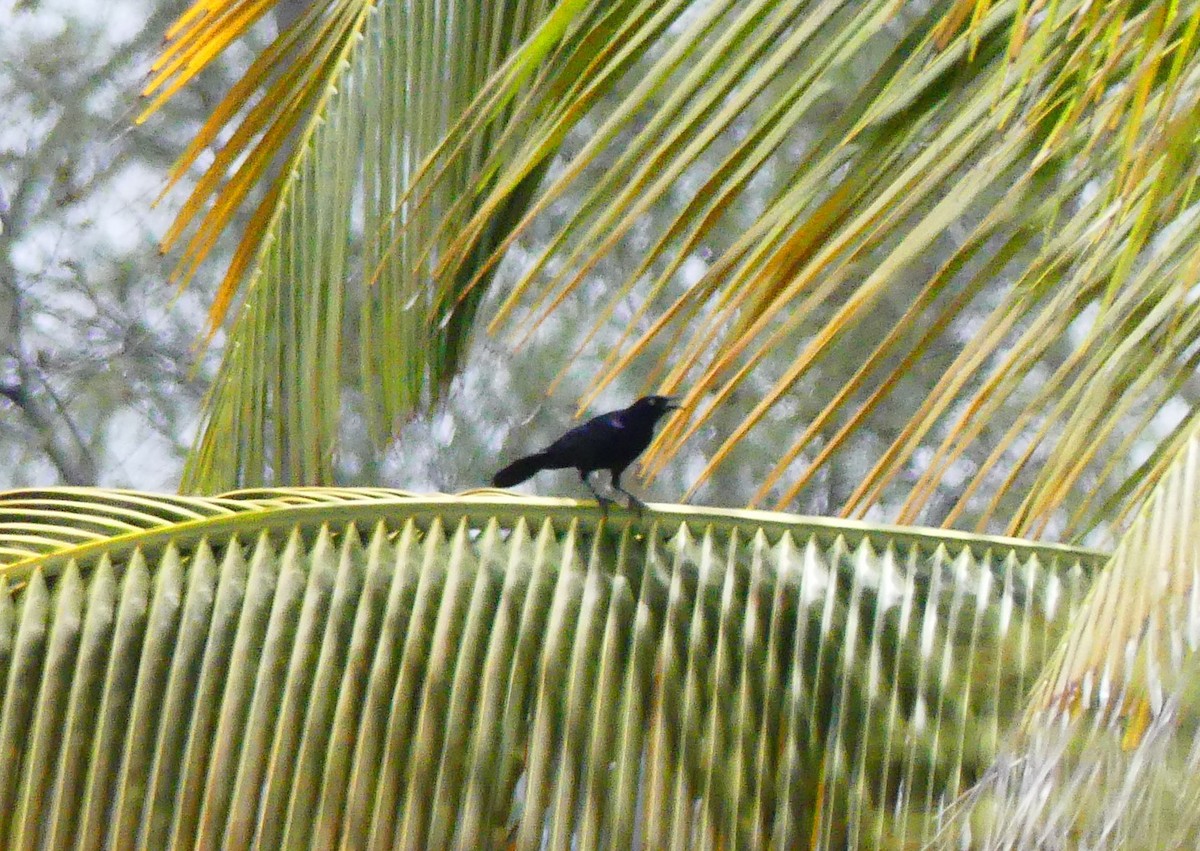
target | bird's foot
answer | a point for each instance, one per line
(634, 504)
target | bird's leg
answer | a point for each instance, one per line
(604, 501)
(634, 503)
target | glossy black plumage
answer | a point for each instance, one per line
(610, 442)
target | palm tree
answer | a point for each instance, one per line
(1013, 182)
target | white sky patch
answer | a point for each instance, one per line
(136, 459)
(123, 19)
(1169, 416)
(692, 270)
(1082, 324)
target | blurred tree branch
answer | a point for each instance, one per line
(96, 361)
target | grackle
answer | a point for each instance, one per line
(608, 442)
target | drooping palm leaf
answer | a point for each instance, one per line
(318, 668)
(1132, 646)
(1054, 144)
(330, 124)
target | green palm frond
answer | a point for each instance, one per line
(319, 667)
(330, 123)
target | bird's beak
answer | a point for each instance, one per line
(673, 404)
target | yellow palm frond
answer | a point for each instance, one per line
(1020, 179)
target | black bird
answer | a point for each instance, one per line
(608, 442)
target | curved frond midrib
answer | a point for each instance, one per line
(264, 511)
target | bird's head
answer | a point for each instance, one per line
(656, 406)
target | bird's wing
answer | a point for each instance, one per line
(581, 443)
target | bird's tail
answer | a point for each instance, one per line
(519, 470)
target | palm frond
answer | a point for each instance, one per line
(1046, 152)
(328, 667)
(1106, 756)
(330, 124)
(1133, 643)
